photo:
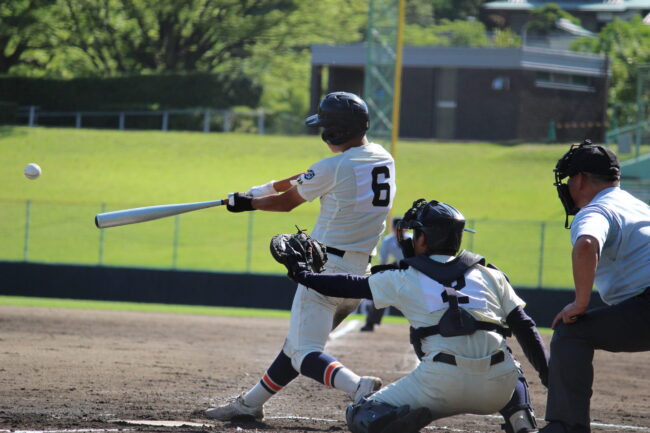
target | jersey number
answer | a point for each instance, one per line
(378, 198)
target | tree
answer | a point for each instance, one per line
(136, 36)
(23, 27)
(452, 33)
(456, 9)
(543, 19)
(506, 38)
(627, 44)
(281, 60)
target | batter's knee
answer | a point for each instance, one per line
(297, 356)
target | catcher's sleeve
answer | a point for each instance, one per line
(525, 330)
(336, 285)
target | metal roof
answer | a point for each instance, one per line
(583, 6)
(538, 59)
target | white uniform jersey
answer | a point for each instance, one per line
(475, 384)
(356, 190)
(419, 298)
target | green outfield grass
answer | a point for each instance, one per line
(505, 191)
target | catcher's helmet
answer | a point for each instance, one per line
(442, 224)
(583, 158)
(343, 116)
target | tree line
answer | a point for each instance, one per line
(265, 40)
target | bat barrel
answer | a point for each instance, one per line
(142, 214)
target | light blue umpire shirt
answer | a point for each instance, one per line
(390, 248)
(621, 224)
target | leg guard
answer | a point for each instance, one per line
(369, 416)
(518, 413)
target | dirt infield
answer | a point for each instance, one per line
(76, 369)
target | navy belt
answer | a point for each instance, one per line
(451, 359)
(341, 253)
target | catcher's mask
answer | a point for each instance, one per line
(583, 158)
(342, 115)
(442, 224)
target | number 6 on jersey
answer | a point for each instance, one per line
(375, 186)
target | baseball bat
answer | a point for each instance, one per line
(142, 214)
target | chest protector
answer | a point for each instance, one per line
(456, 320)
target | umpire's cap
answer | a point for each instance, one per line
(588, 158)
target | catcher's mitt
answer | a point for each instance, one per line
(298, 252)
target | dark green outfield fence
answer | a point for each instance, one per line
(198, 288)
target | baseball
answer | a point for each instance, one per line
(32, 170)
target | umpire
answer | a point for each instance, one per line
(611, 247)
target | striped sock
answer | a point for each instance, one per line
(327, 370)
(279, 374)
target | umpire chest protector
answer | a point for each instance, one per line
(456, 320)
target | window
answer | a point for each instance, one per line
(554, 80)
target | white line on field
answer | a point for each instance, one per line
(186, 424)
(594, 424)
(81, 430)
(306, 418)
(345, 327)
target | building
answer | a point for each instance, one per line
(498, 94)
(593, 14)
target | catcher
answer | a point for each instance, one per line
(356, 189)
(457, 308)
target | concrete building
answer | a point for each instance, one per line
(498, 94)
(593, 14)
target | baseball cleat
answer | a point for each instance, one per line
(236, 410)
(367, 385)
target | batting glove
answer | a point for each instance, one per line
(262, 190)
(238, 202)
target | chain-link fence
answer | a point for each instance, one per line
(532, 253)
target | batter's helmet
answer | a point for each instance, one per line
(442, 224)
(583, 158)
(343, 116)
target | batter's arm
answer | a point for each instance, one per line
(279, 202)
(285, 184)
(336, 285)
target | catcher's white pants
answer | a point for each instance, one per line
(314, 316)
(472, 386)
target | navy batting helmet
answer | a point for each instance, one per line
(342, 115)
(442, 224)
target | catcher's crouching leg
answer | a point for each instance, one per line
(369, 416)
(518, 413)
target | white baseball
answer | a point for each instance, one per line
(32, 170)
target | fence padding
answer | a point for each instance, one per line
(198, 288)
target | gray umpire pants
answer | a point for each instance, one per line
(624, 327)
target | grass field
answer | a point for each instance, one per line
(505, 191)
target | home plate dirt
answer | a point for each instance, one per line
(82, 370)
